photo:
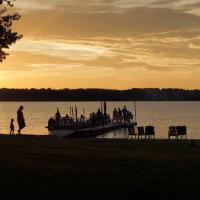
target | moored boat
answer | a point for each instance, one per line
(64, 126)
(97, 123)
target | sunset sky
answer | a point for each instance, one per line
(105, 44)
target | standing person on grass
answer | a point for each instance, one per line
(12, 127)
(20, 119)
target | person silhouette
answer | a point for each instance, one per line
(12, 127)
(20, 119)
(58, 116)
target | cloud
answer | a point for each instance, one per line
(34, 5)
(128, 23)
(115, 42)
(60, 49)
(103, 5)
(165, 2)
(194, 46)
(186, 6)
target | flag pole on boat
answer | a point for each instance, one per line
(101, 106)
(76, 113)
(105, 107)
(84, 113)
(135, 110)
(104, 114)
(72, 113)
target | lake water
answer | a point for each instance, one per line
(159, 114)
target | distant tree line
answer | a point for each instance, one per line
(99, 95)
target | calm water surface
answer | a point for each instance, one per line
(159, 114)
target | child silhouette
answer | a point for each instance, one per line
(12, 127)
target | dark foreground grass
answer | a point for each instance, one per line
(97, 169)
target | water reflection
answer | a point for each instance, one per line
(116, 134)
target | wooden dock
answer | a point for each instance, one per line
(92, 131)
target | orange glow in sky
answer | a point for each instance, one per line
(105, 44)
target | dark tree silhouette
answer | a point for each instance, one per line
(7, 35)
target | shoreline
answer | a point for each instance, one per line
(106, 140)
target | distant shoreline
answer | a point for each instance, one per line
(99, 100)
(86, 95)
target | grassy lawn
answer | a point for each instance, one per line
(97, 169)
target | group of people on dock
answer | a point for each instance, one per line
(20, 121)
(67, 119)
(94, 117)
(122, 115)
(119, 116)
(99, 116)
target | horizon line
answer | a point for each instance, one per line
(46, 88)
